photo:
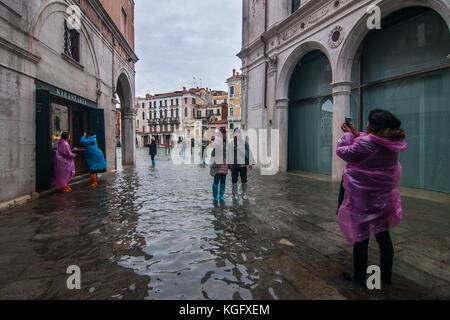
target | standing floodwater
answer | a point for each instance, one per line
(157, 234)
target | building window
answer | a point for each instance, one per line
(194, 101)
(71, 42)
(160, 114)
(143, 115)
(178, 113)
(165, 103)
(231, 112)
(295, 5)
(171, 102)
(165, 114)
(176, 101)
(231, 92)
(215, 102)
(231, 126)
(171, 113)
(154, 104)
(155, 115)
(199, 114)
(160, 103)
(218, 112)
(124, 23)
(137, 123)
(185, 100)
(185, 112)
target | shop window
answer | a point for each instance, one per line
(71, 42)
(60, 122)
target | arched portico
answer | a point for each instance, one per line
(124, 92)
(281, 112)
(359, 31)
(404, 68)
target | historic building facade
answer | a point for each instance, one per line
(307, 65)
(64, 66)
(234, 100)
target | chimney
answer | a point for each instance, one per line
(234, 72)
(237, 74)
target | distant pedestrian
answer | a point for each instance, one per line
(219, 167)
(239, 151)
(372, 203)
(153, 151)
(64, 164)
(94, 156)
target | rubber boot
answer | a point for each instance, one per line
(215, 189)
(93, 180)
(222, 192)
(244, 191)
(235, 191)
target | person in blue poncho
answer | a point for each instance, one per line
(94, 156)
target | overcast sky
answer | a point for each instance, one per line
(177, 40)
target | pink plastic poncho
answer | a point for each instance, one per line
(64, 165)
(372, 201)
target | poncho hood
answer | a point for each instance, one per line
(393, 145)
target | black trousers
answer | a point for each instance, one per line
(239, 171)
(360, 256)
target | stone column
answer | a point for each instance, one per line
(341, 102)
(128, 136)
(280, 122)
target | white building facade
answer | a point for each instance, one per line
(307, 65)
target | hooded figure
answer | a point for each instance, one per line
(219, 167)
(372, 202)
(94, 156)
(64, 165)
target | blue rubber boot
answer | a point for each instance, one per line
(215, 189)
(222, 192)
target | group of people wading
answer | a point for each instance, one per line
(369, 203)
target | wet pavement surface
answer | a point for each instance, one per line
(157, 234)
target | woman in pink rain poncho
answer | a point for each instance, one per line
(64, 165)
(372, 201)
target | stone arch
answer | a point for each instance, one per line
(48, 8)
(124, 92)
(291, 62)
(359, 31)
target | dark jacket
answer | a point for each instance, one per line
(153, 149)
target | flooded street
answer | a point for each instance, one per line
(156, 234)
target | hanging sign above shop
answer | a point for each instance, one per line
(65, 94)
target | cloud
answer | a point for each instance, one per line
(177, 40)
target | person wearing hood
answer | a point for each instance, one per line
(219, 167)
(64, 164)
(372, 204)
(94, 156)
(153, 151)
(239, 151)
